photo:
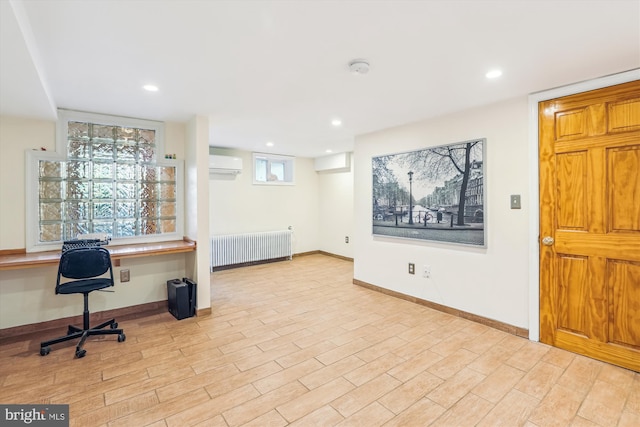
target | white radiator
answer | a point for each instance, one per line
(243, 248)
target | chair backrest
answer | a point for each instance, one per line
(84, 263)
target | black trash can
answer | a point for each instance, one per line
(181, 296)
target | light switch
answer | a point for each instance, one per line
(515, 201)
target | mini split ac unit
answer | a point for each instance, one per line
(225, 164)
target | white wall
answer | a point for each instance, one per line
(197, 208)
(490, 282)
(236, 205)
(27, 295)
(336, 212)
(16, 136)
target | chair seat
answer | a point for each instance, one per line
(84, 285)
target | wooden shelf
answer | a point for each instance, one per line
(16, 259)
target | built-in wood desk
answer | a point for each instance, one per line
(15, 259)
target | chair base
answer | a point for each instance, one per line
(74, 332)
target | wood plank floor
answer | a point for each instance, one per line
(296, 343)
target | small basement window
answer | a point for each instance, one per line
(273, 169)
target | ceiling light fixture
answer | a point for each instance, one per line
(493, 74)
(336, 122)
(150, 88)
(328, 151)
(359, 66)
(269, 144)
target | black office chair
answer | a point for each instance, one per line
(85, 263)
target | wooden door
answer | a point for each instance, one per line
(590, 223)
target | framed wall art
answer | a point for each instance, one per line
(434, 194)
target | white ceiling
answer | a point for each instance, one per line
(278, 70)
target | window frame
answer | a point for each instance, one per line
(288, 163)
(33, 157)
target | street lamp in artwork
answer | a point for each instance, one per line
(410, 197)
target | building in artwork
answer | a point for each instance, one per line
(448, 195)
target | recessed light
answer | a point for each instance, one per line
(150, 88)
(328, 151)
(269, 144)
(494, 74)
(336, 122)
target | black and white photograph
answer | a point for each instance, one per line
(436, 193)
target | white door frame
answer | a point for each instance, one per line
(534, 214)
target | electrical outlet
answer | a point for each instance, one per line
(515, 201)
(412, 268)
(124, 276)
(346, 239)
(426, 271)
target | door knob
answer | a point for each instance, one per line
(547, 241)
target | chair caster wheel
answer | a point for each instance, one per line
(121, 337)
(81, 353)
(44, 351)
(114, 325)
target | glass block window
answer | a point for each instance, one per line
(109, 182)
